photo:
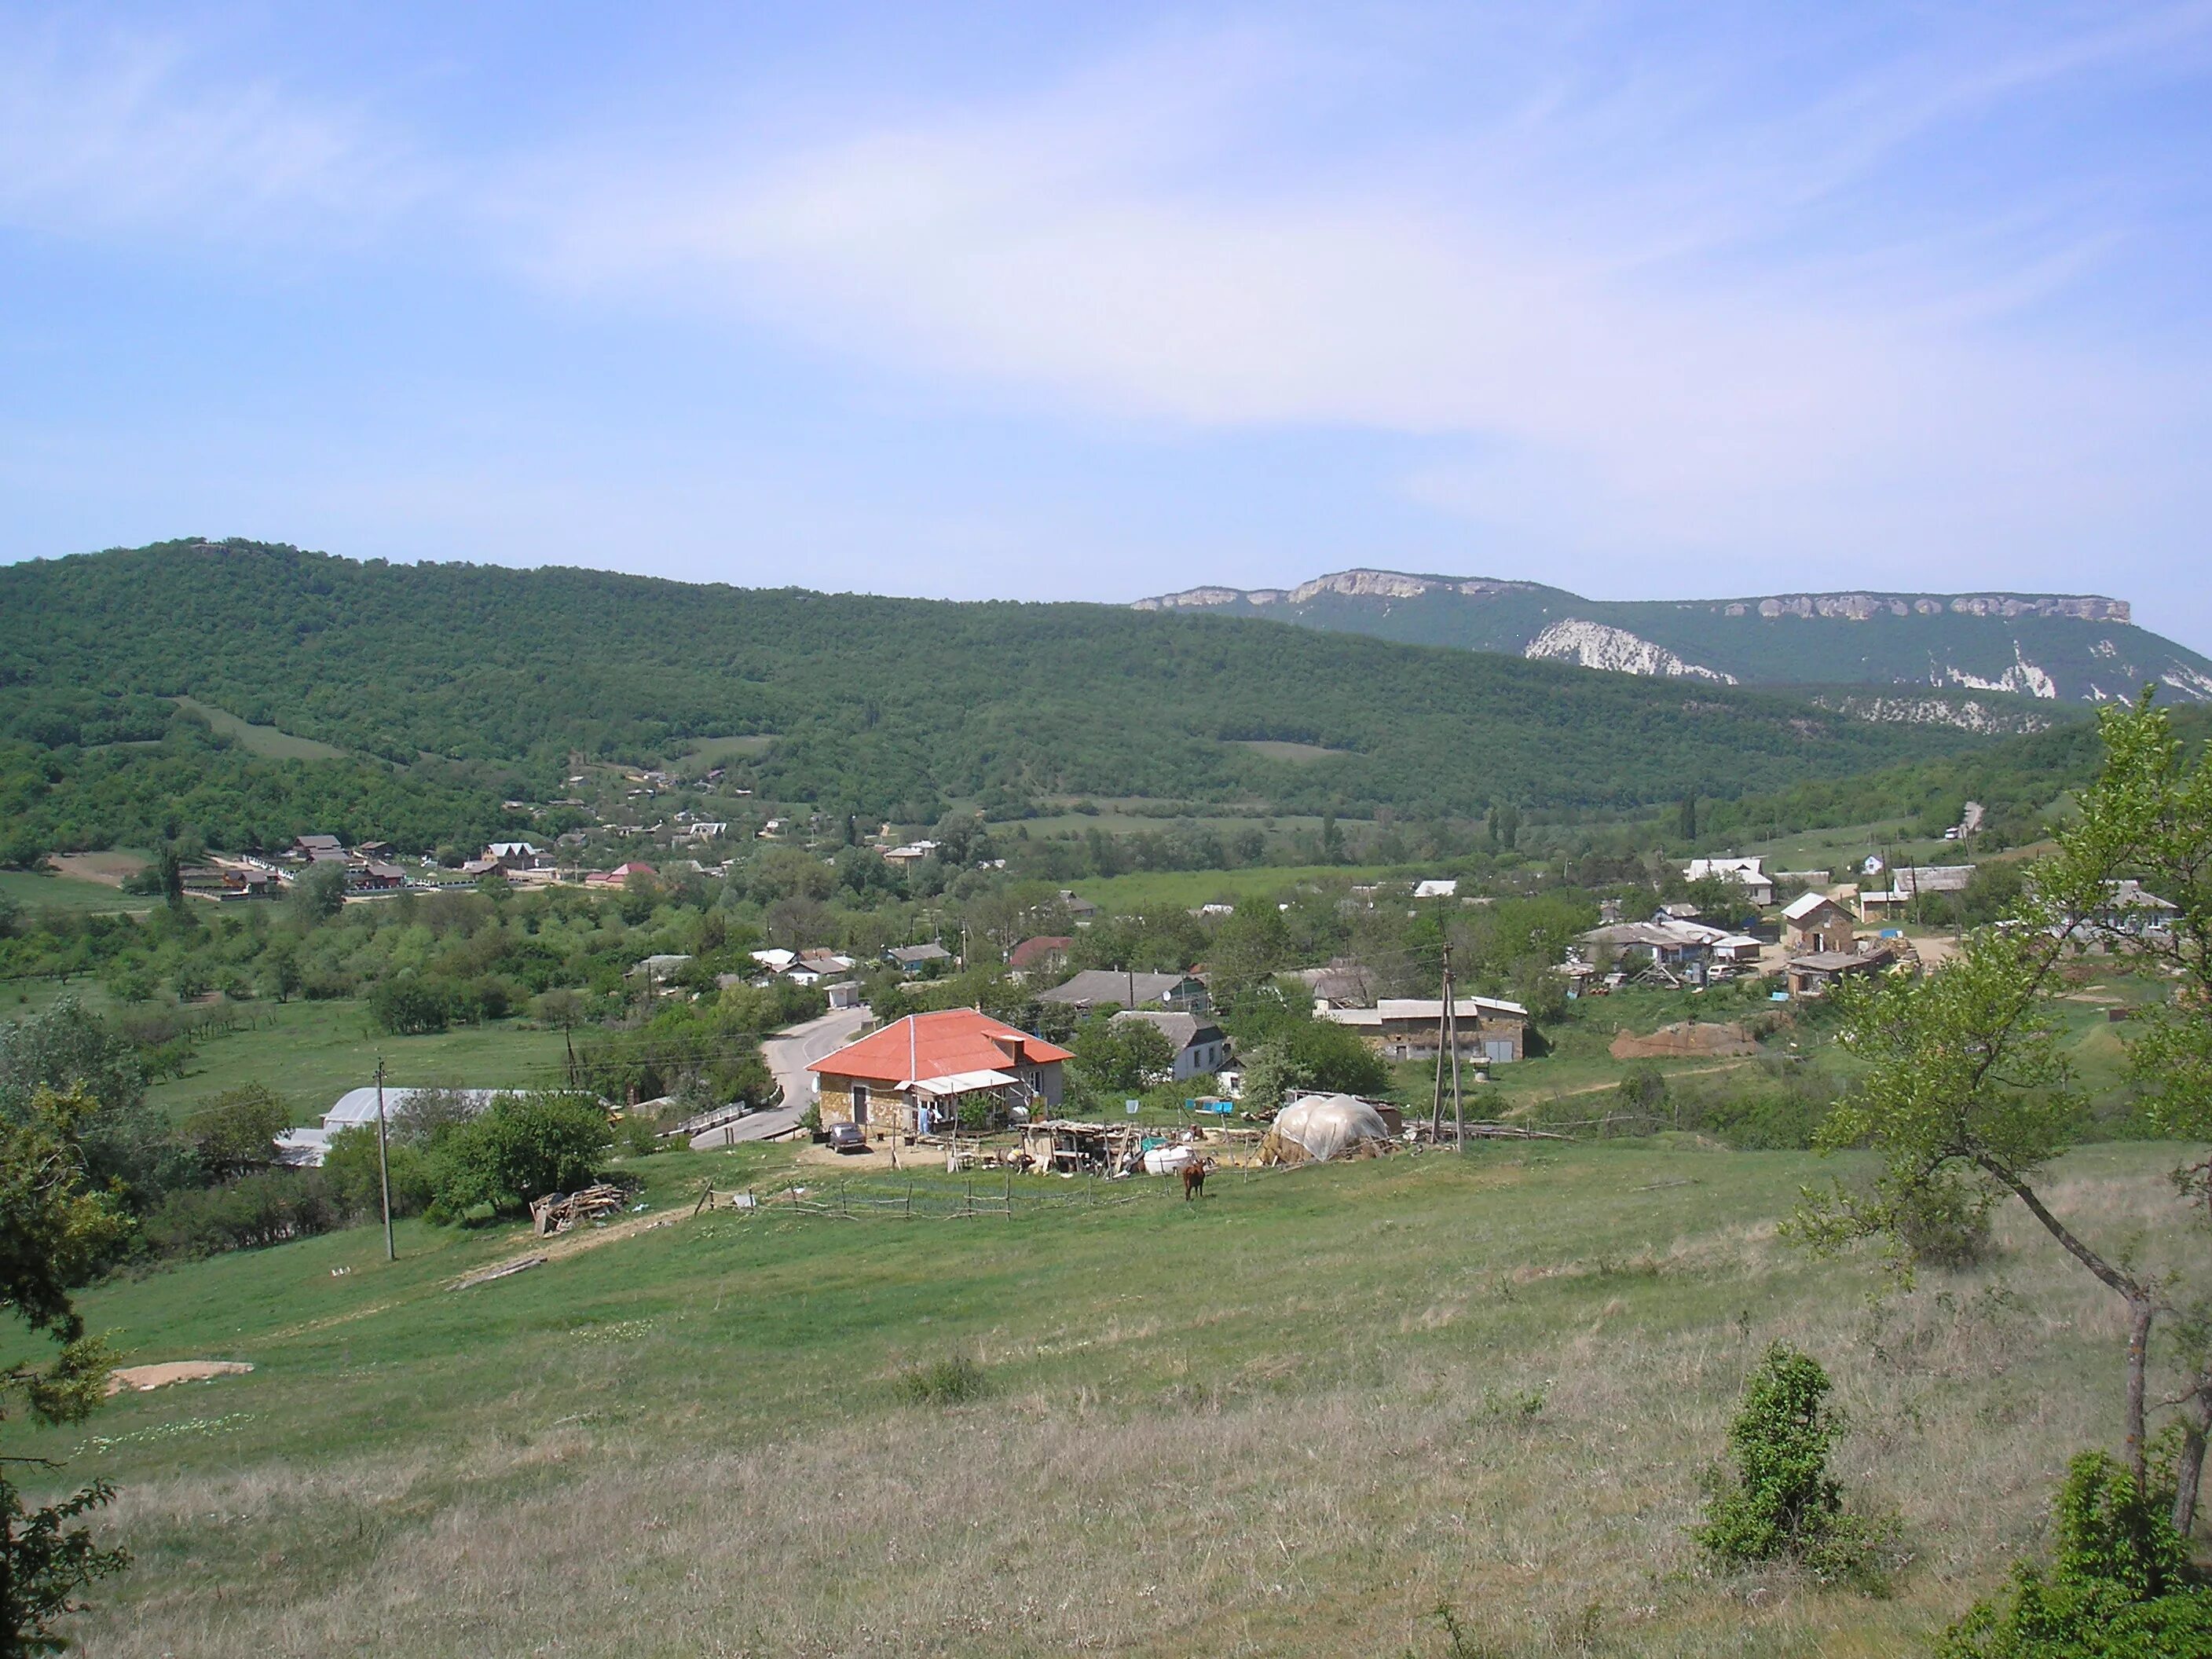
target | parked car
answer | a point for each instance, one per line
(847, 1137)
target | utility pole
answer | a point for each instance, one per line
(1451, 1024)
(384, 1165)
(1444, 1014)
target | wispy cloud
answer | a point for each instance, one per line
(1631, 311)
(123, 131)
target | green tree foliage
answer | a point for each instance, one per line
(521, 1147)
(1967, 1091)
(235, 1131)
(1120, 1056)
(515, 669)
(55, 1226)
(2120, 1587)
(1780, 1502)
(350, 1172)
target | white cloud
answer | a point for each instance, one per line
(116, 131)
(1648, 358)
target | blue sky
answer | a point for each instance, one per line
(1094, 303)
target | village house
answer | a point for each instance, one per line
(910, 855)
(310, 849)
(1201, 1046)
(1344, 983)
(1813, 975)
(1410, 1028)
(620, 875)
(375, 876)
(1747, 874)
(1082, 910)
(1812, 923)
(929, 1068)
(1119, 988)
(1045, 954)
(911, 959)
(1681, 949)
(1906, 884)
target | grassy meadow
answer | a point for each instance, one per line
(310, 1053)
(1292, 1419)
(34, 890)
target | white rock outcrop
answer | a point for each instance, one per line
(1597, 645)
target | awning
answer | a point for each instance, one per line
(958, 1082)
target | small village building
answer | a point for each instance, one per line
(1906, 884)
(1200, 1045)
(911, 959)
(1748, 873)
(1812, 923)
(375, 876)
(2131, 910)
(1045, 954)
(1120, 988)
(931, 1068)
(357, 1108)
(1344, 983)
(910, 855)
(1438, 888)
(1411, 1028)
(1081, 910)
(1815, 975)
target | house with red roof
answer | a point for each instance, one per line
(925, 1068)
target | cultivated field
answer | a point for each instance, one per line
(1293, 1418)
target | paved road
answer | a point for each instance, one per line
(788, 1052)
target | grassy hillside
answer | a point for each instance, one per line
(1293, 1418)
(1938, 640)
(882, 706)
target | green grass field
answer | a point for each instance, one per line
(33, 890)
(268, 741)
(310, 1053)
(1292, 1418)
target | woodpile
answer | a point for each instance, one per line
(556, 1212)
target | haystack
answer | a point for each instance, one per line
(1318, 1127)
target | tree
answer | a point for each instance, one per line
(1121, 1056)
(1781, 1502)
(1967, 1097)
(320, 890)
(57, 1226)
(521, 1147)
(236, 1130)
(408, 1006)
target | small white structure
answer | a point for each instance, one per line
(1438, 888)
(1748, 873)
(356, 1110)
(1323, 1127)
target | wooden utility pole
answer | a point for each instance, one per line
(384, 1165)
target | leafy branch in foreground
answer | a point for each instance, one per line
(52, 1227)
(1967, 1096)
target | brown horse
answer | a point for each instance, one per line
(1193, 1179)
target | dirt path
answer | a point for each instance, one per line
(142, 1377)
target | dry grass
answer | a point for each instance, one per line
(1521, 1441)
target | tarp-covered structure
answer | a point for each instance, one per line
(1316, 1128)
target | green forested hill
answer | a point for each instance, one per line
(449, 680)
(2059, 648)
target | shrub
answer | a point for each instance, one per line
(2117, 1590)
(408, 1007)
(1781, 1504)
(355, 1185)
(949, 1382)
(522, 1147)
(268, 1208)
(1946, 1226)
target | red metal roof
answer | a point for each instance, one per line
(936, 1045)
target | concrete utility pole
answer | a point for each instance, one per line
(384, 1165)
(1443, 1013)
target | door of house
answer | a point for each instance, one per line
(859, 1103)
(1497, 1048)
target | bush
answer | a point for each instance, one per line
(1946, 1226)
(349, 1169)
(2119, 1589)
(408, 1007)
(522, 1147)
(949, 1382)
(1781, 1504)
(265, 1208)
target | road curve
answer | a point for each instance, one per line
(787, 1053)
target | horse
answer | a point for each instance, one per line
(1193, 1179)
